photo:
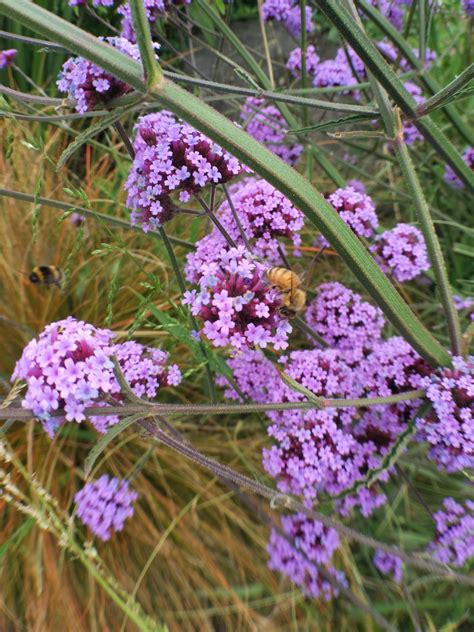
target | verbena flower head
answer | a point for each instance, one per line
(154, 9)
(104, 505)
(356, 209)
(172, 157)
(464, 304)
(308, 546)
(451, 178)
(95, 3)
(449, 426)
(294, 61)
(236, 303)
(454, 538)
(357, 185)
(402, 252)
(70, 367)
(314, 449)
(340, 71)
(392, 55)
(255, 376)
(146, 371)
(266, 124)
(343, 319)
(288, 12)
(88, 85)
(7, 57)
(389, 565)
(468, 6)
(393, 10)
(266, 215)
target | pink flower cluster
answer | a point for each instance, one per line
(454, 538)
(356, 209)
(88, 85)
(449, 427)
(7, 57)
(69, 367)
(266, 124)
(343, 319)
(172, 157)
(402, 252)
(451, 178)
(308, 545)
(236, 303)
(104, 505)
(289, 13)
(154, 9)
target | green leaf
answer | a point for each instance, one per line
(334, 123)
(90, 132)
(107, 438)
(17, 536)
(175, 329)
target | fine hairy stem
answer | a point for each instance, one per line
(153, 72)
(87, 212)
(285, 501)
(438, 99)
(18, 413)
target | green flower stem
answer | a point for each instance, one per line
(426, 79)
(438, 100)
(20, 414)
(394, 129)
(102, 217)
(292, 184)
(153, 72)
(385, 75)
(431, 238)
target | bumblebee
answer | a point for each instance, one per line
(46, 275)
(287, 282)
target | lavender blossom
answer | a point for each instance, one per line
(340, 71)
(237, 305)
(392, 10)
(266, 124)
(289, 13)
(7, 57)
(70, 367)
(343, 319)
(255, 376)
(402, 252)
(356, 209)
(464, 304)
(172, 157)
(392, 55)
(104, 505)
(294, 61)
(451, 178)
(308, 546)
(357, 185)
(449, 426)
(88, 85)
(154, 9)
(389, 565)
(454, 538)
(468, 6)
(410, 131)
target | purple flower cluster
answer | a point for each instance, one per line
(468, 6)
(288, 12)
(154, 9)
(145, 370)
(356, 209)
(266, 217)
(88, 85)
(402, 252)
(70, 367)
(172, 157)
(392, 55)
(312, 546)
(449, 426)
(389, 565)
(237, 304)
(393, 10)
(7, 57)
(266, 124)
(104, 505)
(464, 304)
(454, 539)
(451, 178)
(95, 3)
(339, 71)
(254, 374)
(343, 319)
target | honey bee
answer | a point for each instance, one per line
(46, 275)
(287, 282)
